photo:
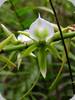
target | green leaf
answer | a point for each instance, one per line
(29, 50)
(8, 33)
(45, 9)
(71, 56)
(19, 60)
(12, 47)
(54, 51)
(24, 33)
(6, 73)
(6, 60)
(42, 62)
(5, 42)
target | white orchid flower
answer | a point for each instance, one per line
(1, 97)
(2, 2)
(39, 30)
(73, 98)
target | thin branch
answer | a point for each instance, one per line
(71, 76)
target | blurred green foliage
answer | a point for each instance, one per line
(14, 82)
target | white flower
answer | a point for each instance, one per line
(40, 29)
(1, 97)
(72, 1)
(73, 98)
(2, 2)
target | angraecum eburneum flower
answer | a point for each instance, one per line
(39, 30)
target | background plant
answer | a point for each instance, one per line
(17, 81)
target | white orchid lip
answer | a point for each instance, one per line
(40, 29)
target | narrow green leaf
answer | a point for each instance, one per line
(11, 57)
(54, 52)
(7, 61)
(19, 60)
(72, 56)
(7, 73)
(24, 33)
(58, 77)
(29, 50)
(12, 47)
(42, 62)
(32, 55)
(45, 9)
(5, 42)
(8, 33)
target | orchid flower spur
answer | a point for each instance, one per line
(2, 2)
(39, 30)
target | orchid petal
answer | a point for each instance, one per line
(39, 30)
(43, 27)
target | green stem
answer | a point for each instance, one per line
(14, 47)
(28, 92)
(39, 94)
(56, 79)
(57, 37)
